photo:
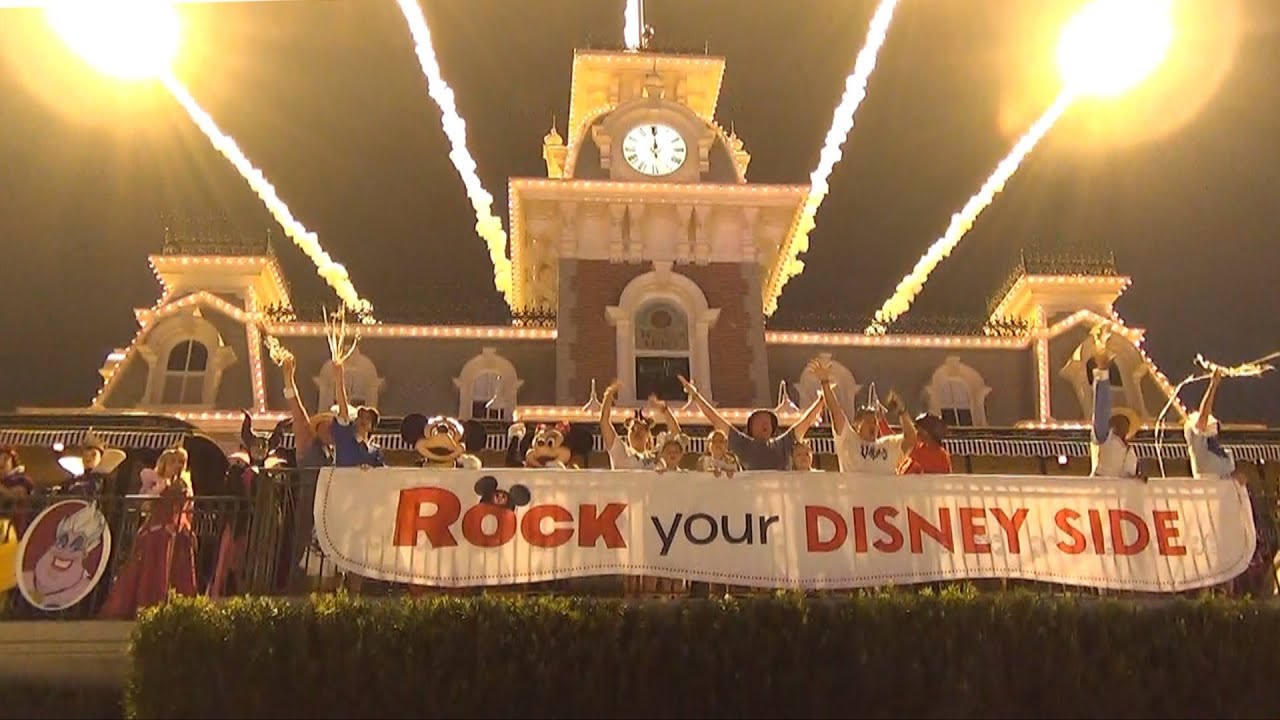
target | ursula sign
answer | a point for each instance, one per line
(783, 530)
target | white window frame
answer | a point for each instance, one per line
(161, 341)
(954, 369)
(662, 284)
(488, 362)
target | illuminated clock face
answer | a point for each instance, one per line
(654, 149)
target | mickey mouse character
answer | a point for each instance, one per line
(490, 494)
(443, 442)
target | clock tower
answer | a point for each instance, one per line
(646, 238)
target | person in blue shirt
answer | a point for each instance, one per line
(352, 436)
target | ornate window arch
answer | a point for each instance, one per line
(657, 313)
(186, 358)
(846, 387)
(487, 387)
(1126, 374)
(958, 394)
(361, 377)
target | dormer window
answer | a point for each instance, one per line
(184, 374)
(958, 394)
(487, 387)
(186, 358)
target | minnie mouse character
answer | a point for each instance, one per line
(490, 494)
(443, 442)
(547, 450)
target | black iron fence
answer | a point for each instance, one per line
(261, 543)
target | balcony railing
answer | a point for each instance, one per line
(260, 543)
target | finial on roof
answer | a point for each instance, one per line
(553, 136)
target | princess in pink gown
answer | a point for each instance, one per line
(163, 554)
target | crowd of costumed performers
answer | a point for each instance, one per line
(164, 554)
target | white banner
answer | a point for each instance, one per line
(784, 530)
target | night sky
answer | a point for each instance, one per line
(326, 96)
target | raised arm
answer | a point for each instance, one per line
(821, 369)
(711, 414)
(909, 436)
(1101, 396)
(608, 433)
(1206, 402)
(668, 417)
(340, 379)
(808, 419)
(302, 436)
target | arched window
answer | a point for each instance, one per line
(956, 403)
(958, 394)
(486, 397)
(185, 373)
(662, 323)
(487, 387)
(185, 358)
(662, 350)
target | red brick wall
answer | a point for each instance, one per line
(591, 340)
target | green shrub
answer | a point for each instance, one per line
(883, 655)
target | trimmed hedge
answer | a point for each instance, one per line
(886, 655)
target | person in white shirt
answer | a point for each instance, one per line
(1209, 459)
(718, 459)
(857, 446)
(636, 452)
(1110, 451)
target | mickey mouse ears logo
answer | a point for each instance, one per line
(490, 494)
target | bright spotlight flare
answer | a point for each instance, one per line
(1107, 48)
(488, 226)
(138, 40)
(855, 90)
(128, 39)
(633, 25)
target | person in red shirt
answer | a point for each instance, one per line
(928, 457)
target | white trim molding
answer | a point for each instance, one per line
(663, 284)
(487, 362)
(953, 369)
(167, 335)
